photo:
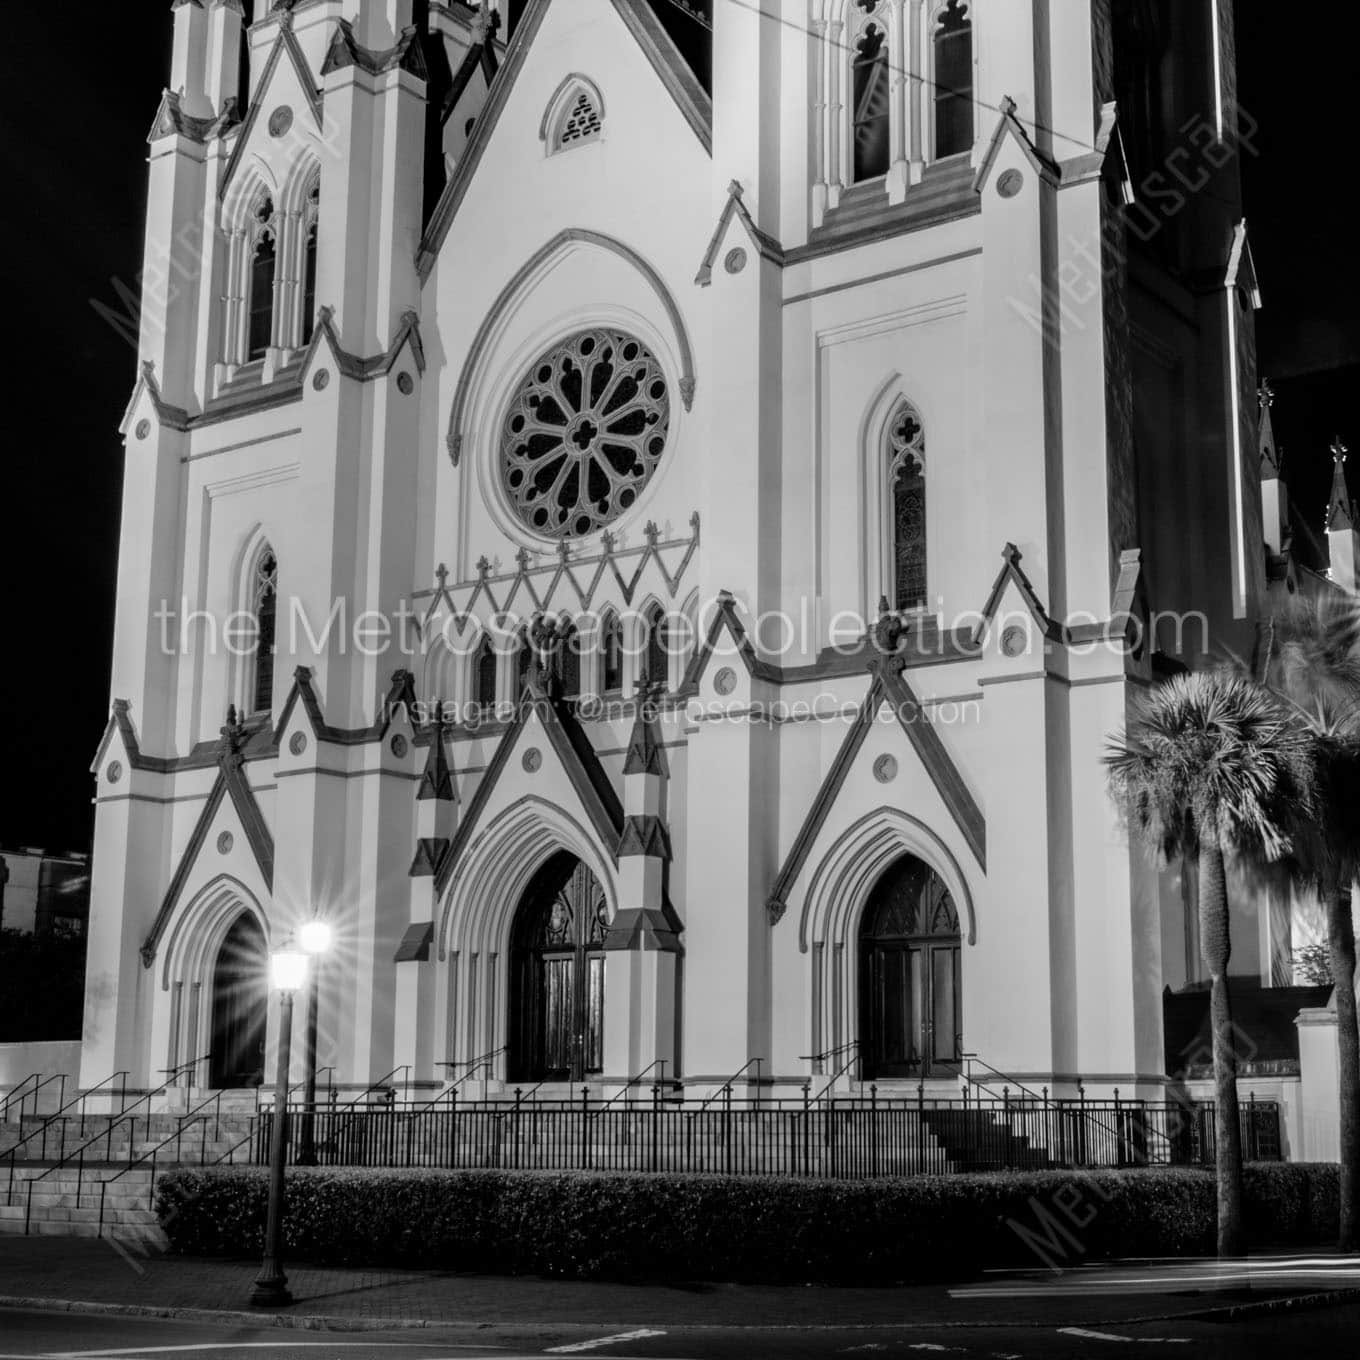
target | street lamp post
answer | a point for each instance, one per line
(288, 972)
(315, 939)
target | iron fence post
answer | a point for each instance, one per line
(656, 1120)
(585, 1119)
(873, 1129)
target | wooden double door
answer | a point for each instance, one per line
(911, 1021)
(557, 975)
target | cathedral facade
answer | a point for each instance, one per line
(644, 517)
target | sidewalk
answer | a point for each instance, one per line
(58, 1272)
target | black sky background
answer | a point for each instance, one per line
(82, 86)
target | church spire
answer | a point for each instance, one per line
(1341, 512)
(1274, 493)
(1272, 459)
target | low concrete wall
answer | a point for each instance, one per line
(17, 1061)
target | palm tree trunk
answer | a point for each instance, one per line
(1216, 946)
(1341, 947)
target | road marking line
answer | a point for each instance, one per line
(250, 1346)
(603, 1341)
(1092, 1336)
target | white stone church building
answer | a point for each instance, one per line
(644, 516)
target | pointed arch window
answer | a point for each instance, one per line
(656, 649)
(263, 268)
(524, 657)
(952, 41)
(872, 95)
(311, 229)
(611, 649)
(569, 661)
(905, 457)
(484, 661)
(266, 609)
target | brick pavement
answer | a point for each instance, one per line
(83, 1270)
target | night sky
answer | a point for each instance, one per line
(82, 86)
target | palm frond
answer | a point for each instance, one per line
(1213, 756)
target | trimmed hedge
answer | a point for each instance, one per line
(590, 1226)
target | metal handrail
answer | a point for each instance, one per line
(381, 1084)
(726, 1087)
(78, 1156)
(40, 1081)
(636, 1081)
(177, 1137)
(16, 1091)
(853, 1046)
(79, 1099)
(300, 1085)
(450, 1092)
(967, 1074)
(170, 1073)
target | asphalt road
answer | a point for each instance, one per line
(1330, 1332)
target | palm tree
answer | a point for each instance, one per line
(1209, 765)
(1312, 661)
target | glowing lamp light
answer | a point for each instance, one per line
(288, 968)
(315, 937)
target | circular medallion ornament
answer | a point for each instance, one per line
(725, 681)
(584, 433)
(735, 261)
(1014, 640)
(322, 380)
(1010, 183)
(533, 760)
(297, 743)
(115, 771)
(224, 843)
(280, 121)
(399, 746)
(143, 429)
(406, 384)
(885, 769)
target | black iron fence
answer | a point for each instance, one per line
(844, 1137)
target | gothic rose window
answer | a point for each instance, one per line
(584, 434)
(907, 482)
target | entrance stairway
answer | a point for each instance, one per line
(96, 1175)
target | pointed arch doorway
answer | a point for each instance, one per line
(557, 975)
(911, 1017)
(240, 1007)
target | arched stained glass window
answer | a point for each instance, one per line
(484, 662)
(611, 647)
(311, 226)
(266, 592)
(569, 661)
(906, 460)
(656, 649)
(953, 42)
(873, 104)
(262, 271)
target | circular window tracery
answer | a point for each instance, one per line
(584, 433)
